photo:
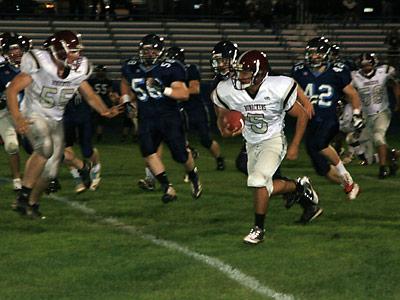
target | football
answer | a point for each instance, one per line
(234, 119)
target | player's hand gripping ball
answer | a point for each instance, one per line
(234, 120)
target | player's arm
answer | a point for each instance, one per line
(18, 84)
(128, 98)
(194, 87)
(221, 123)
(353, 98)
(178, 91)
(396, 91)
(94, 100)
(305, 102)
(301, 116)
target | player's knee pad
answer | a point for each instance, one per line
(379, 138)
(45, 149)
(11, 147)
(258, 179)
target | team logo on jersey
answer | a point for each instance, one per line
(305, 73)
(267, 98)
(7, 72)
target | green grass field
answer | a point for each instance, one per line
(123, 243)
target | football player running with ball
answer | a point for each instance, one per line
(264, 101)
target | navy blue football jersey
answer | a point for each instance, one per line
(77, 109)
(323, 89)
(102, 87)
(150, 103)
(193, 73)
(7, 73)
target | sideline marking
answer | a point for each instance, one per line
(231, 272)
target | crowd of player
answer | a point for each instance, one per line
(48, 96)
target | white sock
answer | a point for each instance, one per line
(149, 174)
(17, 183)
(344, 174)
(74, 172)
(341, 169)
(96, 168)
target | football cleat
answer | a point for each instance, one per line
(383, 172)
(54, 186)
(21, 203)
(255, 236)
(33, 212)
(197, 188)
(310, 213)
(84, 173)
(95, 177)
(186, 178)
(169, 195)
(220, 164)
(393, 167)
(353, 191)
(79, 186)
(147, 184)
(304, 194)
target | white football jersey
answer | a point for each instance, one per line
(373, 92)
(48, 94)
(265, 114)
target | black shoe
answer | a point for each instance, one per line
(169, 195)
(220, 164)
(310, 213)
(21, 204)
(33, 212)
(147, 184)
(197, 188)
(54, 186)
(84, 173)
(383, 172)
(393, 167)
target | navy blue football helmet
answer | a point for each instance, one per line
(151, 49)
(317, 52)
(223, 56)
(176, 53)
(13, 46)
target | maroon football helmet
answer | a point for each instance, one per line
(253, 63)
(65, 47)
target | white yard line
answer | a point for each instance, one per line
(228, 270)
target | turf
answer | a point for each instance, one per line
(351, 252)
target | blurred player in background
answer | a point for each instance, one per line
(50, 78)
(155, 86)
(371, 82)
(324, 83)
(195, 112)
(12, 47)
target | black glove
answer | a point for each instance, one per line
(358, 121)
(155, 87)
